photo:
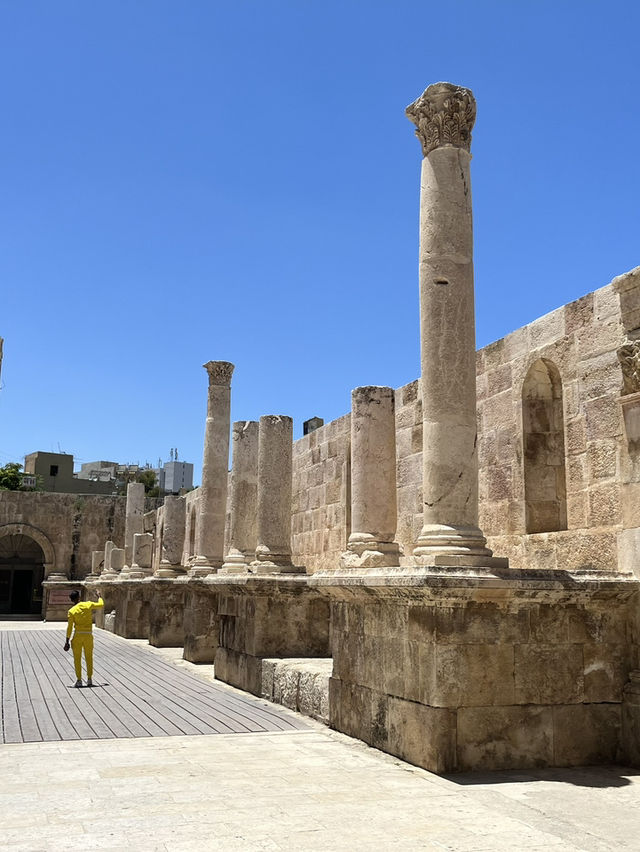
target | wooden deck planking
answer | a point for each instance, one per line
(230, 705)
(11, 731)
(203, 717)
(59, 717)
(137, 694)
(116, 717)
(29, 728)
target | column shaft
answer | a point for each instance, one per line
(173, 527)
(275, 466)
(243, 497)
(444, 117)
(373, 479)
(215, 466)
(134, 513)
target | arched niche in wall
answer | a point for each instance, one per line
(545, 486)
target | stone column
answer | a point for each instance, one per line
(373, 479)
(444, 116)
(142, 553)
(97, 559)
(107, 571)
(243, 497)
(275, 467)
(215, 466)
(174, 521)
(133, 517)
(116, 564)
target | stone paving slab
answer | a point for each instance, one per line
(309, 789)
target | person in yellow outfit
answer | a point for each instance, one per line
(81, 617)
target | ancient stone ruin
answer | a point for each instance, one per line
(449, 571)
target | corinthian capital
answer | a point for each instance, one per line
(444, 114)
(220, 372)
(629, 358)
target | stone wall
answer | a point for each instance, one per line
(551, 487)
(321, 499)
(73, 525)
(67, 526)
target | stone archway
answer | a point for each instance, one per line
(26, 558)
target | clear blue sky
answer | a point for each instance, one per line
(186, 181)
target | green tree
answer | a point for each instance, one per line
(147, 477)
(10, 477)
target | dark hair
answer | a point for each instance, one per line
(75, 596)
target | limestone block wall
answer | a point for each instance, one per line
(556, 482)
(321, 500)
(71, 526)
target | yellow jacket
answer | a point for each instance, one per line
(81, 616)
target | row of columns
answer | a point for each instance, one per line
(260, 493)
(259, 502)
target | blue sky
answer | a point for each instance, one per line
(186, 181)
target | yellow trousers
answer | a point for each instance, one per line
(82, 642)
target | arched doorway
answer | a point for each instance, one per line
(22, 562)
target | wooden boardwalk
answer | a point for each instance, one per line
(136, 694)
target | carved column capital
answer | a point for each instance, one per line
(444, 114)
(629, 358)
(220, 372)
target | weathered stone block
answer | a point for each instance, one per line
(473, 676)
(421, 735)
(504, 738)
(606, 670)
(350, 709)
(576, 436)
(603, 418)
(548, 329)
(497, 410)
(584, 550)
(481, 624)
(604, 506)
(549, 623)
(578, 315)
(499, 379)
(552, 674)
(585, 734)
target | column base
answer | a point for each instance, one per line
(268, 567)
(364, 551)
(271, 562)
(136, 573)
(201, 566)
(167, 571)
(235, 563)
(437, 540)
(109, 575)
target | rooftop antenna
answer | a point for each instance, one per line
(176, 454)
(171, 453)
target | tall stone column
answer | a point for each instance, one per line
(133, 522)
(215, 465)
(243, 498)
(173, 528)
(373, 479)
(444, 116)
(275, 467)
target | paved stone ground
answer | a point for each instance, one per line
(305, 789)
